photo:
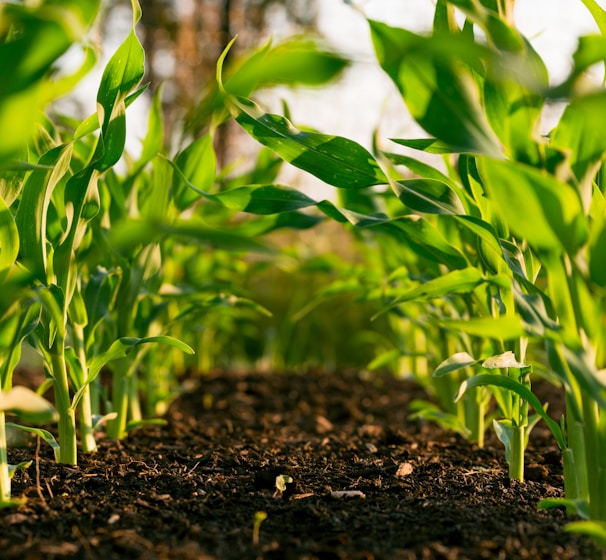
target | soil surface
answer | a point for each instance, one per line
(204, 486)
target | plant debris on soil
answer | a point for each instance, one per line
(305, 466)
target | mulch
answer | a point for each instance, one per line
(358, 480)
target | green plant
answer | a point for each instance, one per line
(521, 274)
(107, 258)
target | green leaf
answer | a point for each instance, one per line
(154, 138)
(594, 529)
(504, 431)
(499, 328)
(225, 300)
(9, 240)
(457, 361)
(429, 145)
(519, 389)
(454, 282)
(420, 168)
(132, 424)
(488, 15)
(45, 435)
(40, 35)
(121, 75)
(538, 207)
(433, 413)
(124, 346)
(428, 196)
(598, 13)
(335, 160)
(576, 507)
(264, 199)
(81, 196)
(12, 469)
(584, 371)
(197, 165)
(131, 233)
(296, 61)
(435, 77)
(27, 405)
(580, 133)
(31, 216)
(597, 258)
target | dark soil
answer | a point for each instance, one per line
(192, 488)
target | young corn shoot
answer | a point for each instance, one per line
(512, 430)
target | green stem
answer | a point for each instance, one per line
(571, 480)
(475, 412)
(5, 480)
(89, 444)
(67, 418)
(120, 386)
(600, 497)
(576, 442)
(134, 402)
(592, 452)
(85, 408)
(516, 463)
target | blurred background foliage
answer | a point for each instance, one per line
(310, 281)
(183, 40)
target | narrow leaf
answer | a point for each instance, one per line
(500, 328)
(27, 405)
(435, 77)
(538, 207)
(457, 361)
(519, 389)
(335, 160)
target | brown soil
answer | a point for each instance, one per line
(192, 488)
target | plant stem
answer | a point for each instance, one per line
(134, 402)
(590, 420)
(67, 418)
(120, 386)
(571, 484)
(576, 441)
(5, 480)
(516, 463)
(89, 444)
(85, 409)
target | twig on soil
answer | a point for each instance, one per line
(38, 487)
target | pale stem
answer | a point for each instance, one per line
(67, 418)
(85, 407)
(5, 480)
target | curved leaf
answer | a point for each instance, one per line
(27, 405)
(499, 328)
(435, 77)
(519, 389)
(454, 282)
(428, 196)
(538, 207)
(335, 160)
(122, 347)
(457, 361)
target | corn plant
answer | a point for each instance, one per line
(515, 225)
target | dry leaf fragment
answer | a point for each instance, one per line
(338, 494)
(404, 469)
